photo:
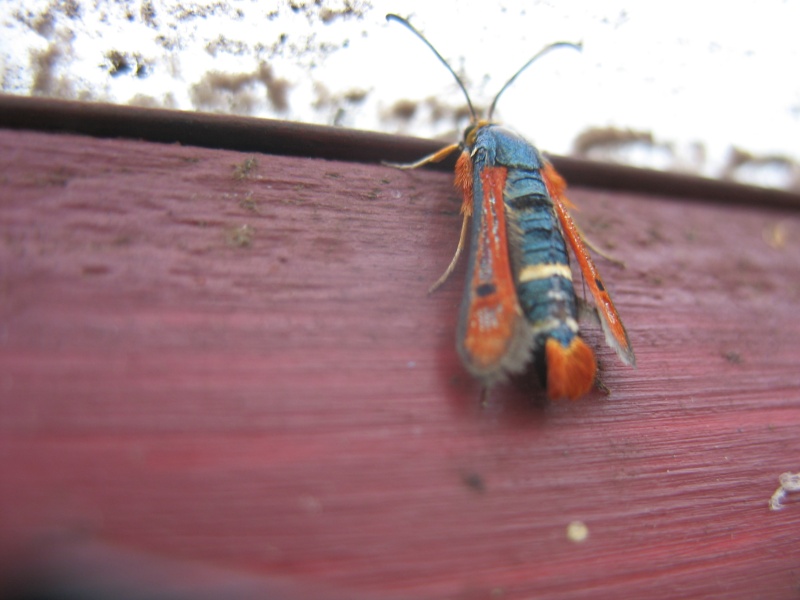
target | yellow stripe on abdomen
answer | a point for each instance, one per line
(543, 271)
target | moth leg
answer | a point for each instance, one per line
(437, 156)
(587, 311)
(484, 395)
(461, 243)
(597, 250)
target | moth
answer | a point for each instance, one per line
(520, 305)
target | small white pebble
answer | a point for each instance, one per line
(577, 532)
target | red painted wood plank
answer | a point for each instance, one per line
(235, 362)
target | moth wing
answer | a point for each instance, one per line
(494, 338)
(610, 321)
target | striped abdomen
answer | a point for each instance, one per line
(543, 276)
(544, 287)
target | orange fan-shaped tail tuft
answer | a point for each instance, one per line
(570, 370)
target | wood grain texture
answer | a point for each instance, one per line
(231, 359)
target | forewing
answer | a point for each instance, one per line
(610, 321)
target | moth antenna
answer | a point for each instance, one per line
(392, 17)
(536, 56)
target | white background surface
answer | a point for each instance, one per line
(701, 77)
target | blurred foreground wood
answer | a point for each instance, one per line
(229, 360)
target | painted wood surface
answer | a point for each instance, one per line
(231, 359)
